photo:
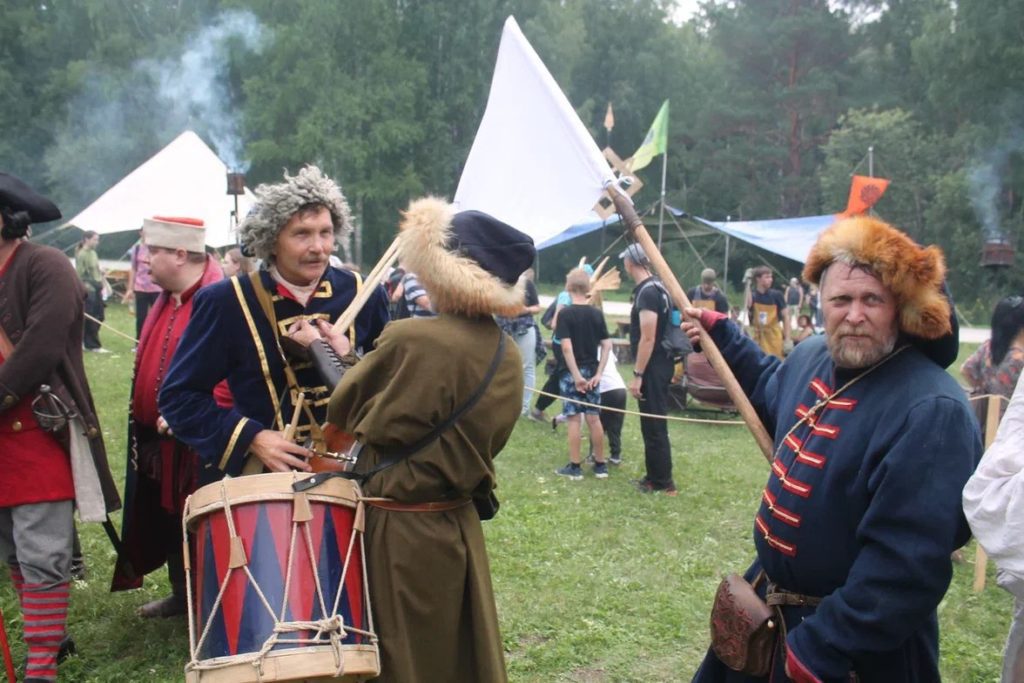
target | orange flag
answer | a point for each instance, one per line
(864, 192)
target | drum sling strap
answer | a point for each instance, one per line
(487, 506)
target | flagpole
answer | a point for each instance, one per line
(634, 226)
(661, 214)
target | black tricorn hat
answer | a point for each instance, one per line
(15, 196)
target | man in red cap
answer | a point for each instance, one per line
(161, 471)
(47, 421)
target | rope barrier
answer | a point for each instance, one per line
(673, 418)
(116, 331)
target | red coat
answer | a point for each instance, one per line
(41, 313)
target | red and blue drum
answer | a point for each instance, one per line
(277, 583)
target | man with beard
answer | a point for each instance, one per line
(161, 470)
(237, 326)
(873, 444)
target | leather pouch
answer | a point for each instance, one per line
(743, 626)
(486, 506)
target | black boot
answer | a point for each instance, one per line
(173, 605)
(67, 649)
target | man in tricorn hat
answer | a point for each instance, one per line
(47, 420)
(873, 444)
(161, 471)
(237, 326)
(429, 578)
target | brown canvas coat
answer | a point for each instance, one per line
(41, 311)
(429, 577)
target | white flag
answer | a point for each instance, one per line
(533, 163)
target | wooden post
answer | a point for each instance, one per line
(714, 356)
(991, 427)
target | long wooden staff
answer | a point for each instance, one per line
(370, 284)
(624, 206)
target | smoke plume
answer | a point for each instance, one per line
(194, 89)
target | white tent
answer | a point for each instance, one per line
(185, 178)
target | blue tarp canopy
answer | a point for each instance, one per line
(789, 237)
(590, 224)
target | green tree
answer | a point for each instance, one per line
(783, 70)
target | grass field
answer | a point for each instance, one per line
(594, 581)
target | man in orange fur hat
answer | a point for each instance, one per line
(874, 442)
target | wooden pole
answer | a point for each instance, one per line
(625, 208)
(369, 285)
(991, 427)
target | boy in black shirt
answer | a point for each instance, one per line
(581, 329)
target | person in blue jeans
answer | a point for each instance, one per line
(523, 329)
(582, 331)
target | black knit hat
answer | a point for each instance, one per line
(16, 196)
(497, 247)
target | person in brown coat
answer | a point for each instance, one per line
(428, 573)
(53, 455)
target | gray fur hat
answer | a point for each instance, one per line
(277, 203)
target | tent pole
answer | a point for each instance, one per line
(635, 226)
(661, 214)
(725, 265)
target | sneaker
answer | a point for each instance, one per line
(557, 420)
(601, 470)
(538, 416)
(615, 460)
(590, 458)
(100, 350)
(572, 470)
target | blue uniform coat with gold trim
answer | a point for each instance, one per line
(861, 508)
(229, 337)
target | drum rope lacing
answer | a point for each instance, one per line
(333, 627)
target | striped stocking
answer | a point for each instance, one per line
(45, 610)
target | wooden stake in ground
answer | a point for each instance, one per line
(624, 206)
(991, 427)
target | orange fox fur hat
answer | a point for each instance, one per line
(913, 273)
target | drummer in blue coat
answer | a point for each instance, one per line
(237, 327)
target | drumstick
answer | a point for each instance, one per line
(289, 431)
(370, 285)
(254, 465)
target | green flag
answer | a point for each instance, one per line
(656, 141)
